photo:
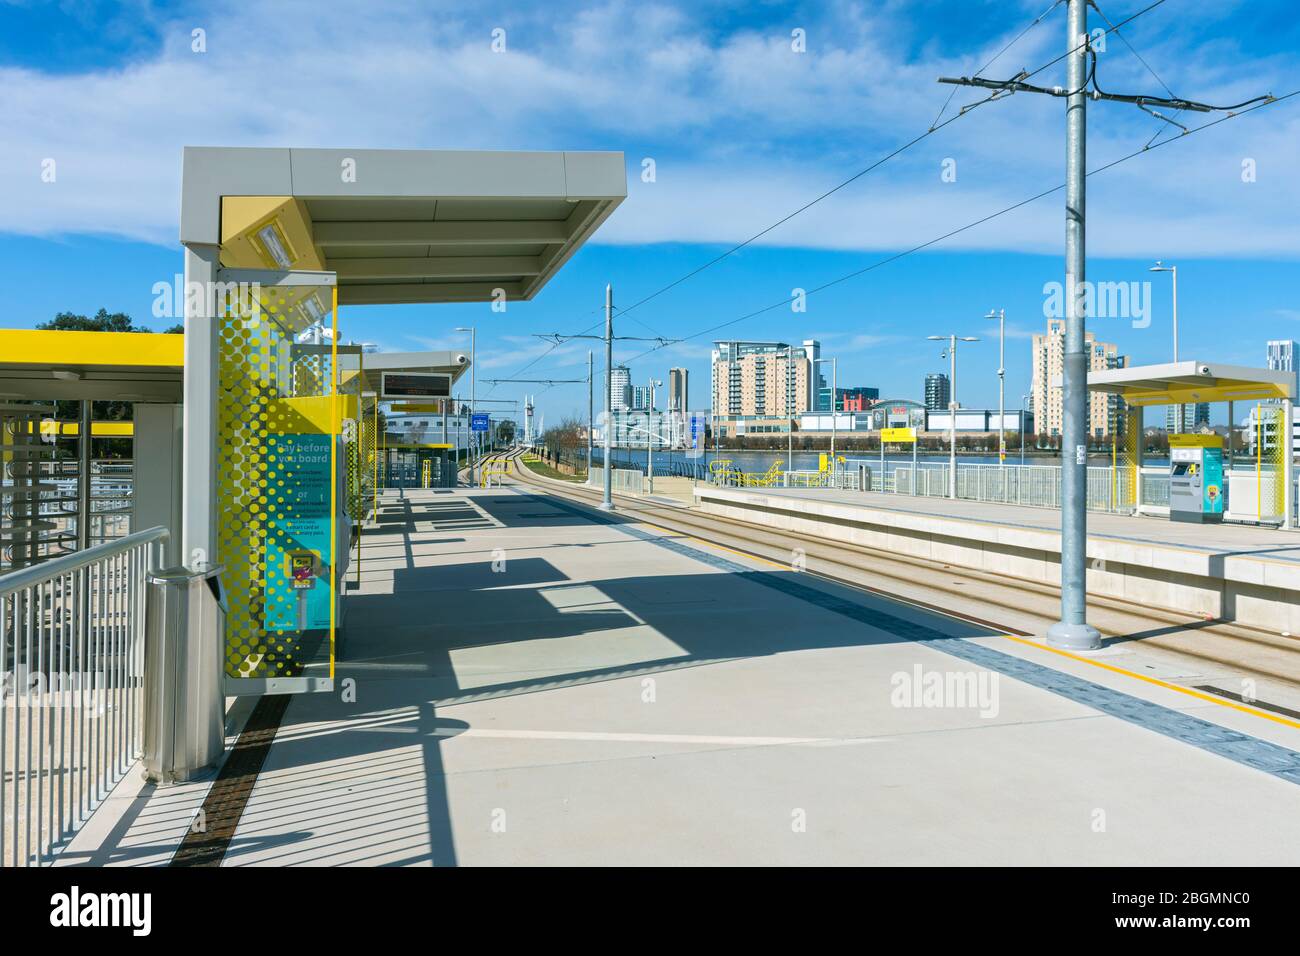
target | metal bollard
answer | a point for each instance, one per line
(184, 708)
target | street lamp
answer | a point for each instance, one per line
(951, 353)
(834, 394)
(649, 435)
(1024, 403)
(1173, 270)
(1001, 316)
(473, 376)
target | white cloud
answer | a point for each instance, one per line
(742, 129)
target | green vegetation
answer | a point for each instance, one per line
(539, 467)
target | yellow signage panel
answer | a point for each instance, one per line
(901, 435)
(1195, 441)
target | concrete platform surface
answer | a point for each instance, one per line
(524, 683)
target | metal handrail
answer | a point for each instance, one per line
(72, 656)
(15, 581)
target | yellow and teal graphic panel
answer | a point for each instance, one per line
(279, 508)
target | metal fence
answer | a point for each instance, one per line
(72, 660)
(56, 504)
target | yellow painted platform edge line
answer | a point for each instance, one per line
(1157, 682)
(1028, 643)
(1210, 698)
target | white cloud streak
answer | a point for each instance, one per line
(743, 130)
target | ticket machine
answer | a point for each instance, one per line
(1196, 480)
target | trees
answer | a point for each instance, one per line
(566, 439)
(101, 321)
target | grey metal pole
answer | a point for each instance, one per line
(1023, 401)
(952, 418)
(649, 438)
(473, 394)
(607, 502)
(1174, 271)
(915, 441)
(1073, 630)
(834, 392)
(84, 438)
(1002, 383)
(789, 413)
(590, 414)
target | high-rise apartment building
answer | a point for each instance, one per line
(1049, 377)
(1183, 419)
(938, 390)
(678, 393)
(1282, 356)
(640, 398)
(763, 379)
(620, 389)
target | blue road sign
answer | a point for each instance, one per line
(478, 422)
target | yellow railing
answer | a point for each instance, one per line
(498, 467)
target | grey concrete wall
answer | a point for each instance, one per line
(1242, 588)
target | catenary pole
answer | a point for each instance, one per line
(1073, 630)
(607, 501)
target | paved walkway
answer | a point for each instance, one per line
(522, 683)
(1224, 539)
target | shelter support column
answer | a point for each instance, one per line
(85, 441)
(1288, 463)
(198, 463)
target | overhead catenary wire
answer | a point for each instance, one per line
(997, 56)
(1131, 49)
(934, 128)
(978, 222)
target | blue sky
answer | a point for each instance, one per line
(742, 130)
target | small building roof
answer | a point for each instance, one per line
(1177, 383)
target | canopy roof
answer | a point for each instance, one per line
(51, 365)
(1176, 383)
(401, 226)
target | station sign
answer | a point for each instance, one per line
(414, 385)
(901, 435)
(478, 422)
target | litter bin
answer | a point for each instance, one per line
(184, 708)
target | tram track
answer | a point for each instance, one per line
(981, 598)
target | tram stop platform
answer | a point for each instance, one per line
(525, 680)
(1248, 575)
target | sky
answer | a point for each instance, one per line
(745, 112)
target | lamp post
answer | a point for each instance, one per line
(607, 498)
(1001, 316)
(650, 435)
(473, 377)
(1024, 401)
(1172, 270)
(951, 352)
(834, 394)
(789, 412)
